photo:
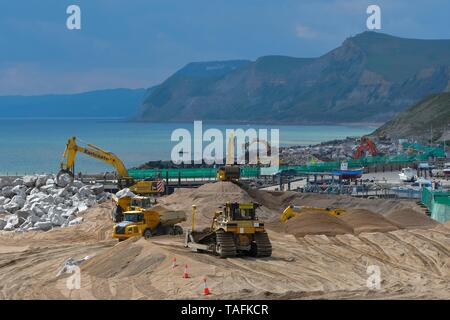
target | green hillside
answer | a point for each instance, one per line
(429, 116)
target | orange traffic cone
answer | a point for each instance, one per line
(205, 287)
(174, 263)
(185, 273)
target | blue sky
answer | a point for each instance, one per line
(139, 43)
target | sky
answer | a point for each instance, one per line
(139, 43)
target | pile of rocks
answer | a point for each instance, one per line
(39, 202)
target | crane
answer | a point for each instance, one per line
(124, 180)
(366, 145)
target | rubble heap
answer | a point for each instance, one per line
(39, 202)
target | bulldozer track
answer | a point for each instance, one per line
(263, 245)
(226, 243)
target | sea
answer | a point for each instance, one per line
(30, 146)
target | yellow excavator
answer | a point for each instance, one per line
(292, 211)
(124, 179)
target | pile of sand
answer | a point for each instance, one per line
(310, 223)
(411, 219)
(361, 220)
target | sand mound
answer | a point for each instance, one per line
(411, 219)
(310, 223)
(208, 198)
(361, 220)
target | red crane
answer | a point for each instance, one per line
(366, 145)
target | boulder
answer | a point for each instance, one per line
(64, 180)
(76, 221)
(43, 225)
(2, 224)
(57, 220)
(85, 191)
(98, 189)
(50, 182)
(20, 190)
(125, 193)
(30, 181)
(82, 207)
(7, 192)
(18, 182)
(24, 214)
(3, 183)
(41, 180)
(77, 184)
(16, 203)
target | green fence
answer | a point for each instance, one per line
(438, 202)
(248, 172)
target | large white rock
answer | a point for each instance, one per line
(57, 220)
(7, 192)
(43, 225)
(41, 180)
(64, 180)
(18, 182)
(85, 191)
(82, 207)
(16, 203)
(77, 184)
(125, 193)
(3, 183)
(2, 224)
(97, 189)
(20, 190)
(30, 181)
(76, 221)
(2, 200)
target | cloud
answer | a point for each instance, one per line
(305, 32)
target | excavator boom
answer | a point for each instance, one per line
(72, 149)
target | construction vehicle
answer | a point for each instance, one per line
(128, 203)
(148, 223)
(229, 172)
(235, 230)
(365, 146)
(124, 180)
(292, 211)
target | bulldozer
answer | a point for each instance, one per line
(148, 223)
(229, 172)
(235, 230)
(292, 211)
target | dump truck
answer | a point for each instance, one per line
(129, 203)
(148, 223)
(292, 211)
(235, 230)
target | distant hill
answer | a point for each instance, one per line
(114, 103)
(369, 78)
(430, 115)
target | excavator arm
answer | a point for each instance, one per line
(292, 211)
(68, 160)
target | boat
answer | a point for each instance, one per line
(349, 174)
(408, 175)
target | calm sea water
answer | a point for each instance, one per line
(34, 146)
